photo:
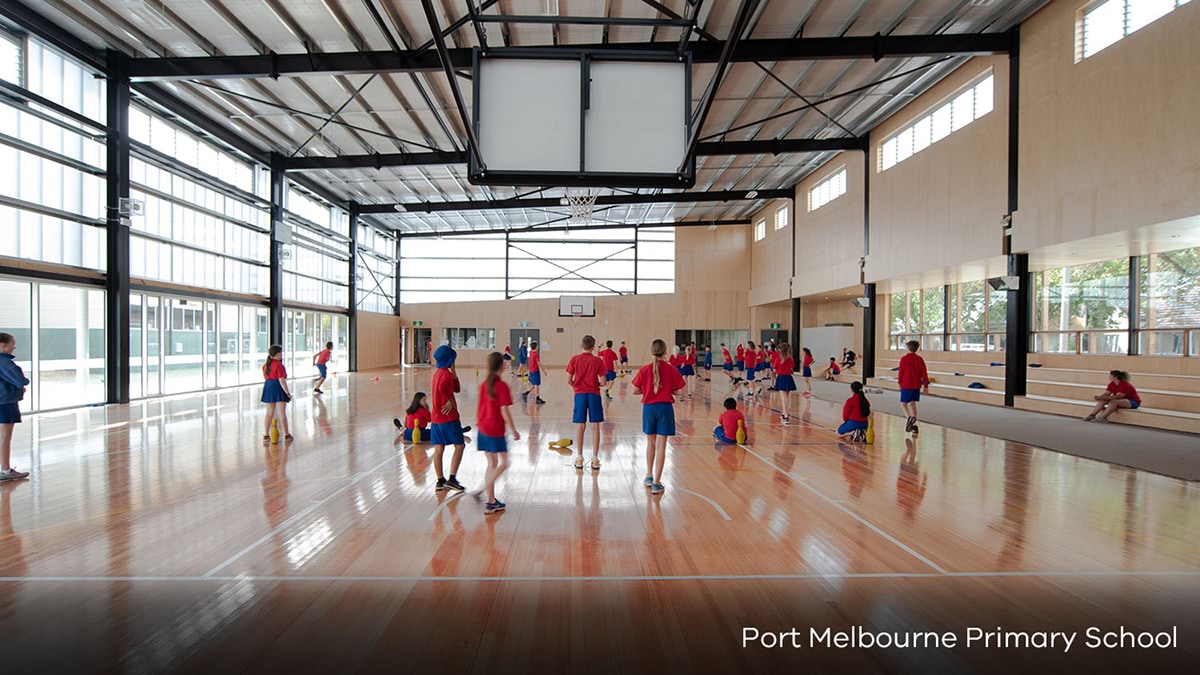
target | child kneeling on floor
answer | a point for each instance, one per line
(854, 415)
(727, 426)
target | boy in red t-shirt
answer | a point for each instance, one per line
(610, 364)
(535, 373)
(585, 372)
(446, 428)
(319, 360)
(914, 380)
(727, 425)
(1118, 394)
(751, 361)
(493, 415)
(624, 357)
(741, 358)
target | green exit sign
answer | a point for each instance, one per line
(776, 326)
(418, 323)
(524, 324)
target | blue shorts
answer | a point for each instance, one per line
(785, 383)
(851, 425)
(624, 359)
(1133, 405)
(807, 371)
(10, 413)
(610, 376)
(324, 371)
(687, 370)
(491, 443)
(447, 433)
(741, 365)
(535, 378)
(658, 419)
(588, 408)
(408, 433)
(728, 367)
(750, 375)
(910, 395)
(273, 392)
(508, 357)
(521, 360)
(719, 434)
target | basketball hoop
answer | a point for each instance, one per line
(580, 203)
(576, 312)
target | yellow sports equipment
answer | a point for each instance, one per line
(562, 443)
(741, 432)
(870, 429)
(274, 431)
(416, 435)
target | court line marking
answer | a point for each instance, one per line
(714, 504)
(1113, 574)
(444, 504)
(313, 507)
(841, 507)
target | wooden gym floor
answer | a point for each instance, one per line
(164, 535)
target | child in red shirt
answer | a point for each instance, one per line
(727, 425)
(493, 415)
(416, 417)
(610, 364)
(687, 367)
(854, 415)
(751, 361)
(832, 371)
(535, 374)
(806, 370)
(585, 372)
(741, 358)
(446, 428)
(624, 357)
(727, 363)
(785, 384)
(319, 360)
(275, 393)
(1118, 394)
(914, 380)
(657, 382)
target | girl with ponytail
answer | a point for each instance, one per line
(657, 383)
(854, 415)
(493, 415)
(275, 393)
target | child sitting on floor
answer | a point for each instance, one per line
(727, 426)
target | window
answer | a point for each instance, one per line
(317, 266)
(1082, 309)
(11, 56)
(782, 217)
(827, 190)
(760, 230)
(469, 338)
(960, 110)
(376, 275)
(976, 315)
(1169, 303)
(1104, 23)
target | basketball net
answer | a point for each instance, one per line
(580, 203)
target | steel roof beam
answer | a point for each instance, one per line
(602, 200)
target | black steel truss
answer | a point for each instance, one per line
(780, 49)
(574, 228)
(602, 200)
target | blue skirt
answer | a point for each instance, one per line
(785, 383)
(10, 413)
(687, 370)
(273, 392)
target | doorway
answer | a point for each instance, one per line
(422, 345)
(527, 334)
(777, 336)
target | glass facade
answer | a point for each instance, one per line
(974, 319)
(316, 262)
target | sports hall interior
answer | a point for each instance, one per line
(1012, 184)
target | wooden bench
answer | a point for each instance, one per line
(1173, 420)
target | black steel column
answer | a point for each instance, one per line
(796, 345)
(117, 346)
(396, 278)
(1134, 314)
(869, 313)
(508, 251)
(276, 300)
(353, 290)
(946, 317)
(1016, 349)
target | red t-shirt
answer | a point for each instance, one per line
(609, 357)
(912, 373)
(741, 351)
(445, 386)
(669, 382)
(785, 366)
(417, 419)
(725, 353)
(323, 357)
(775, 359)
(276, 371)
(690, 358)
(491, 422)
(729, 422)
(751, 358)
(763, 356)
(807, 361)
(535, 360)
(835, 369)
(586, 370)
(624, 352)
(1126, 389)
(852, 411)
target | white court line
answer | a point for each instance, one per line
(361, 475)
(1114, 574)
(874, 528)
(444, 504)
(714, 504)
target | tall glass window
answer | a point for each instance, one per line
(316, 266)
(376, 270)
(1169, 303)
(1082, 309)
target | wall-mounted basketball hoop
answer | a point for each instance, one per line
(580, 203)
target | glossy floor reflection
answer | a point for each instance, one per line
(165, 535)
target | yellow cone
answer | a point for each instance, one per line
(416, 435)
(741, 432)
(275, 431)
(870, 429)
